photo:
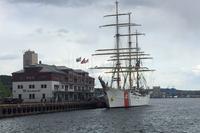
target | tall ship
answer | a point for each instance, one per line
(128, 86)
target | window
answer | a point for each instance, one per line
(20, 86)
(31, 86)
(66, 79)
(56, 87)
(66, 97)
(20, 96)
(66, 87)
(70, 95)
(43, 95)
(75, 97)
(30, 77)
(79, 88)
(43, 86)
(71, 86)
(31, 96)
(75, 88)
(75, 80)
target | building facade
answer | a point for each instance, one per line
(40, 83)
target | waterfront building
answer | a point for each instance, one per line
(42, 82)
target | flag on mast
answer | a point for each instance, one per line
(84, 61)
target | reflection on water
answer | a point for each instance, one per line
(162, 116)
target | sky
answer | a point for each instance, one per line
(62, 30)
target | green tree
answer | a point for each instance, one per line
(4, 91)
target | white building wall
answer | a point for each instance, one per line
(38, 90)
(51, 87)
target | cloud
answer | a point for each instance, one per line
(8, 57)
(196, 70)
(135, 3)
(62, 3)
(61, 32)
(185, 9)
(39, 30)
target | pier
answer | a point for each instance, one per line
(13, 110)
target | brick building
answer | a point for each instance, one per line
(41, 82)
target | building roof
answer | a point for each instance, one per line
(49, 68)
(52, 68)
(44, 68)
(20, 71)
(63, 68)
(80, 71)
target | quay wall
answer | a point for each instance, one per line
(13, 110)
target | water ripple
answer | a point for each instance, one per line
(162, 116)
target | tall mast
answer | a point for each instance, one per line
(130, 46)
(137, 62)
(117, 43)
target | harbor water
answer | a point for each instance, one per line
(161, 116)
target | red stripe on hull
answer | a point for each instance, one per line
(126, 101)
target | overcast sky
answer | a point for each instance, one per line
(61, 30)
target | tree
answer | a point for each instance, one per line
(4, 91)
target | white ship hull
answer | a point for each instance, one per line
(123, 98)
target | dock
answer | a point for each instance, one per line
(13, 110)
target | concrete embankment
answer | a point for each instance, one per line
(12, 110)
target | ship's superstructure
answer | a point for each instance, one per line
(128, 86)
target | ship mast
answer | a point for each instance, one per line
(130, 46)
(117, 51)
(117, 43)
(137, 62)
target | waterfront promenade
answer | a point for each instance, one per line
(12, 110)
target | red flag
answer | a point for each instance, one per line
(84, 61)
